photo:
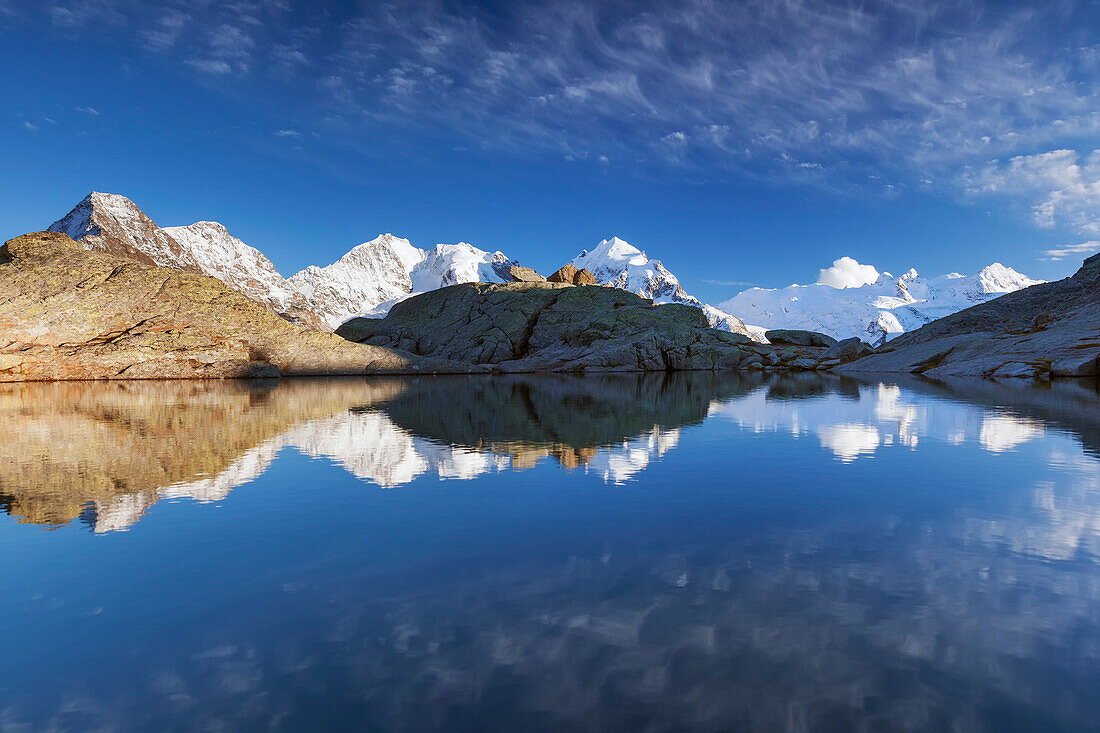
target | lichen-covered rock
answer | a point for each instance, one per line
(68, 313)
(553, 326)
(791, 337)
(1046, 330)
(524, 275)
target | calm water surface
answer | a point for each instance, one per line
(620, 553)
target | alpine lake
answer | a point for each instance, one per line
(658, 552)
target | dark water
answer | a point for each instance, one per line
(624, 553)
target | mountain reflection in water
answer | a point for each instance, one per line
(658, 552)
(104, 452)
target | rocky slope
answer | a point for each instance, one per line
(1050, 329)
(520, 327)
(875, 312)
(619, 264)
(68, 313)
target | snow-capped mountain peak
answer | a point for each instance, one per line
(219, 254)
(617, 263)
(106, 222)
(376, 274)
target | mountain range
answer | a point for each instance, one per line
(374, 275)
(877, 311)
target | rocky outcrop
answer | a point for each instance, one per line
(1046, 330)
(791, 337)
(849, 349)
(524, 275)
(584, 277)
(67, 313)
(564, 275)
(520, 327)
(570, 275)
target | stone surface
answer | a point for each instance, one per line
(791, 337)
(849, 349)
(1047, 330)
(553, 326)
(564, 275)
(68, 313)
(524, 275)
(584, 277)
(570, 275)
(803, 363)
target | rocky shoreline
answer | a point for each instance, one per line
(67, 313)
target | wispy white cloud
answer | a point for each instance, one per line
(29, 126)
(91, 111)
(1072, 250)
(216, 67)
(287, 133)
(165, 31)
(1060, 187)
(728, 283)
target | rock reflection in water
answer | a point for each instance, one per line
(105, 452)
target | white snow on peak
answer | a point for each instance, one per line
(876, 311)
(106, 222)
(221, 255)
(387, 269)
(617, 263)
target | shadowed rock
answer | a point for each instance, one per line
(552, 326)
(848, 350)
(791, 337)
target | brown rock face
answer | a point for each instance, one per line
(67, 313)
(564, 275)
(570, 275)
(525, 275)
(584, 277)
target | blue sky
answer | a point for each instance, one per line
(741, 143)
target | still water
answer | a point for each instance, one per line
(655, 552)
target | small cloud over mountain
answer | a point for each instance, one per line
(846, 272)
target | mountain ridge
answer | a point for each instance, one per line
(875, 312)
(374, 275)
